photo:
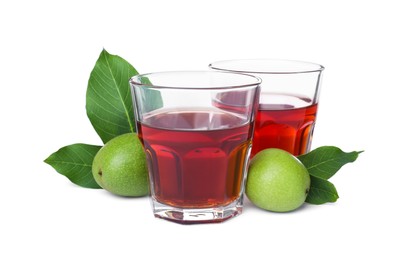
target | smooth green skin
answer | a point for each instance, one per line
(277, 181)
(120, 167)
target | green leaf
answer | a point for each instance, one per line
(321, 191)
(75, 162)
(325, 161)
(108, 97)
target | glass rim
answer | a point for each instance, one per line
(259, 66)
(254, 80)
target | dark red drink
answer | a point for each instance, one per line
(287, 125)
(196, 158)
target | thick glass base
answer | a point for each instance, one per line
(197, 216)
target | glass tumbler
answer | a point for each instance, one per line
(288, 103)
(196, 128)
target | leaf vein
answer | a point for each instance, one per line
(117, 88)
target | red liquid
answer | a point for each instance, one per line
(192, 166)
(284, 126)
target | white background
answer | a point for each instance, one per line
(48, 48)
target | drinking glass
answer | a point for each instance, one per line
(197, 139)
(288, 103)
